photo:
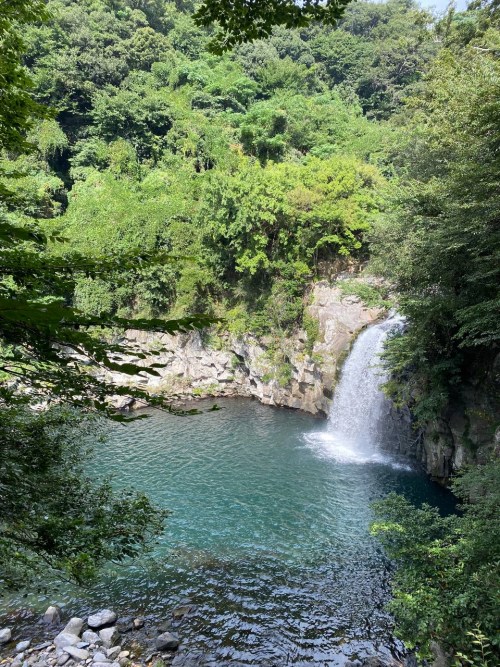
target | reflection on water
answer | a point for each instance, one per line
(268, 536)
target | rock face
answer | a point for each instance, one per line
(304, 378)
(467, 431)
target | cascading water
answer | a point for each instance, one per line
(360, 426)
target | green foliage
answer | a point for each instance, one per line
(447, 582)
(372, 295)
(55, 520)
(311, 327)
(440, 242)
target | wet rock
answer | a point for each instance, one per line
(138, 623)
(5, 635)
(103, 618)
(77, 653)
(74, 626)
(66, 639)
(167, 641)
(52, 616)
(109, 636)
(166, 626)
(181, 611)
(125, 625)
(91, 637)
(23, 646)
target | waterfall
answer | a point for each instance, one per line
(360, 426)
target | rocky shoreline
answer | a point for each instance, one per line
(105, 640)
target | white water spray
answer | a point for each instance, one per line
(358, 426)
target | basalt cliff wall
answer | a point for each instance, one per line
(197, 365)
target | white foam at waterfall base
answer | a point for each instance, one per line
(357, 430)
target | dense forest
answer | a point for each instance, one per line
(159, 177)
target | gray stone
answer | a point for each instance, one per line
(123, 662)
(124, 654)
(125, 625)
(91, 637)
(100, 657)
(102, 664)
(66, 639)
(22, 646)
(138, 623)
(101, 619)
(83, 645)
(63, 659)
(5, 635)
(109, 636)
(52, 616)
(74, 626)
(181, 611)
(113, 652)
(42, 646)
(167, 641)
(77, 653)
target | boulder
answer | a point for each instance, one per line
(52, 616)
(5, 635)
(109, 636)
(101, 619)
(23, 646)
(167, 641)
(74, 626)
(91, 637)
(77, 653)
(66, 639)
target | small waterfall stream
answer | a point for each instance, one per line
(360, 426)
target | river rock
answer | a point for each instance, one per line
(52, 616)
(182, 610)
(23, 646)
(113, 652)
(66, 639)
(63, 659)
(74, 626)
(125, 625)
(167, 641)
(77, 653)
(5, 635)
(109, 636)
(138, 623)
(101, 619)
(101, 657)
(91, 637)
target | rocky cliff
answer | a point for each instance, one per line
(302, 376)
